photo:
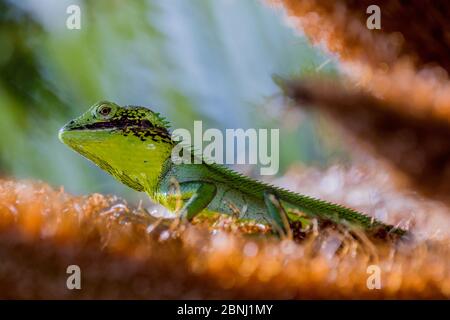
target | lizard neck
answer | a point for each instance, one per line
(134, 161)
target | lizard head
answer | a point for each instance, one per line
(131, 143)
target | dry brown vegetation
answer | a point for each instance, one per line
(125, 253)
(412, 30)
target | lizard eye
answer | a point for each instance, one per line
(105, 111)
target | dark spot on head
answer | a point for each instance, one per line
(145, 123)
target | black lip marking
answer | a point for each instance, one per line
(116, 124)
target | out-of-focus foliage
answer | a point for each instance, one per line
(209, 60)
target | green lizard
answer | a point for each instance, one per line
(134, 145)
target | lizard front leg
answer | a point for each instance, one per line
(198, 194)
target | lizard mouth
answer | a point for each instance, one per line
(67, 132)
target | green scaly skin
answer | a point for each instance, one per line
(134, 145)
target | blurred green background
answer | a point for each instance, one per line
(189, 60)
